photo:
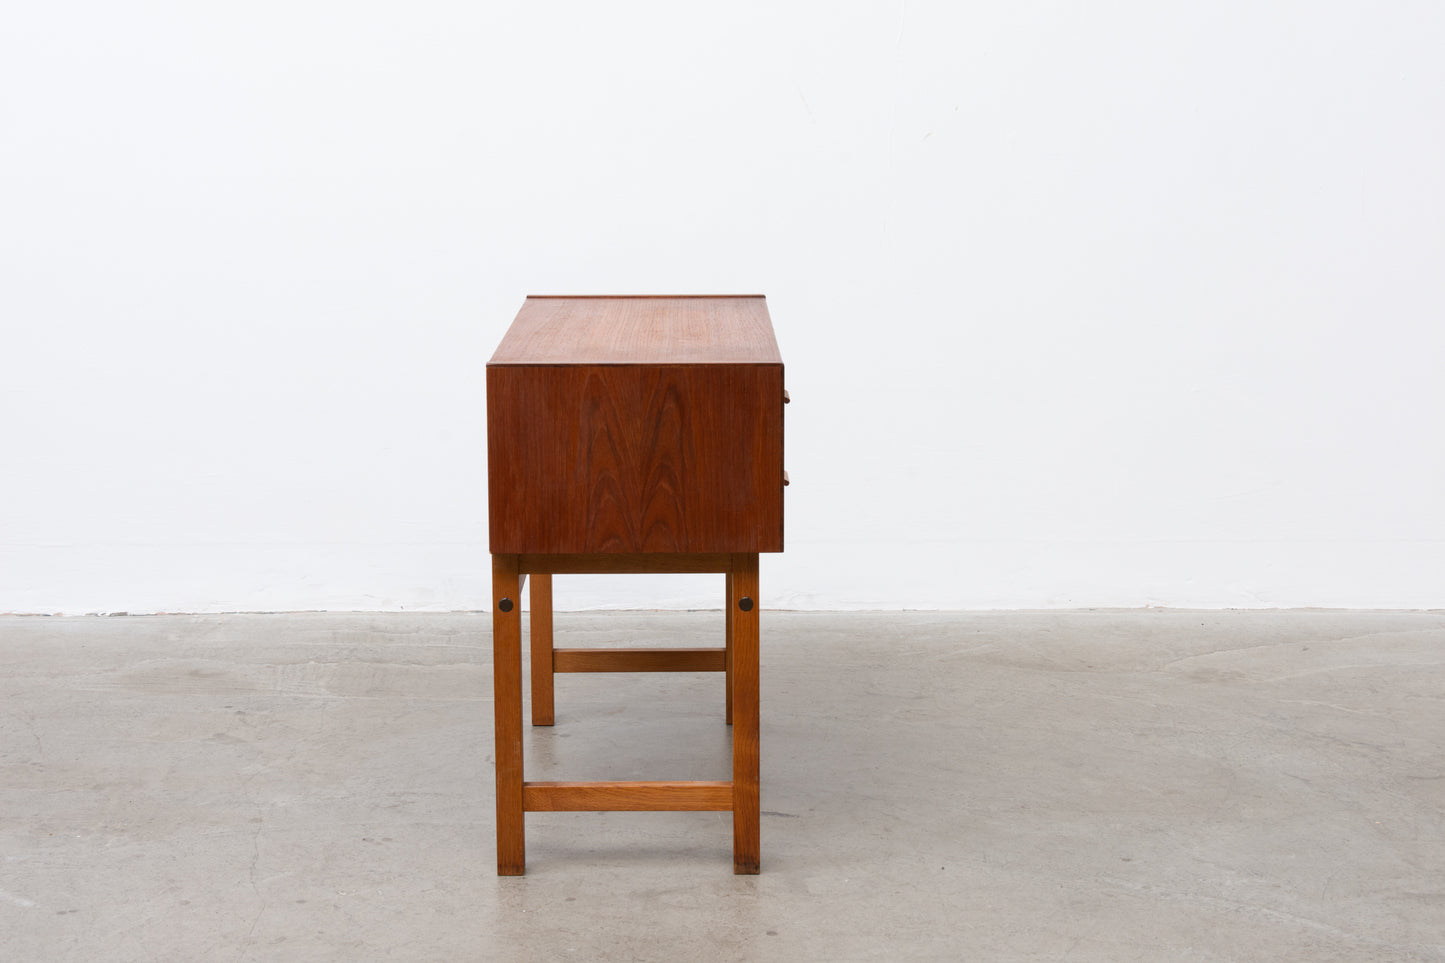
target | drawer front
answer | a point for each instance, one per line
(635, 458)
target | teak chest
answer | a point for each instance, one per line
(631, 434)
(636, 425)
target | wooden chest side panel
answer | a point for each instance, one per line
(635, 458)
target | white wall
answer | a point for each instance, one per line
(1082, 304)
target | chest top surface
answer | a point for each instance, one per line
(667, 330)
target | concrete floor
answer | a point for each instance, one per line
(1110, 785)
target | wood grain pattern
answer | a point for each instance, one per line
(555, 797)
(636, 425)
(747, 810)
(635, 459)
(507, 717)
(640, 330)
(637, 660)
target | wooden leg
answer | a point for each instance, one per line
(507, 705)
(543, 705)
(743, 607)
(728, 643)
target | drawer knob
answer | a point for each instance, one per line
(786, 399)
(785, 479)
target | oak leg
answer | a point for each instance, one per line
(743, 607)
(543, 705)
(507, 706)
(728, 645)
